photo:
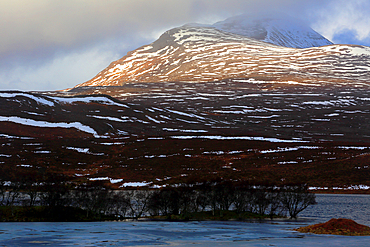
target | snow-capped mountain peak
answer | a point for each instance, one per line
(276, 29)
(239, 47)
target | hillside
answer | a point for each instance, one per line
(160, 133)
(200, 103)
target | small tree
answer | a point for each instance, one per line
(94, 197)
(275, 202)
(200, 200)
(243, 197)
(296, 198)
(155, 205)
(119, 203)
(225, 194)
(55, 191)
(31, 186)
(172, 196)
(260, 199)
(10, 187)
(208, 190)
(187, 199)
(139, 202)
(164, 202)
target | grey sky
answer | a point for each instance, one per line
(56, 44)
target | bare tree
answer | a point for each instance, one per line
(139, 202)
(296, 198)
(95, 198)
(55, 191)
(187, 199)
(32, 189)
(260, 199)
(225, 194)
(158, 203)
(243, 197)
(274, 198)
(119, 204)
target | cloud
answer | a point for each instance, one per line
(345, 21)
(67, 24)
(60, 73)
(54, 44)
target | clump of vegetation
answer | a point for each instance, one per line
(56, 199)
(337, 227)
(238, 199)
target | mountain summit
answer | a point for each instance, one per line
(199, 53)
(275, 29)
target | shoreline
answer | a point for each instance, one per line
(341, 192)
(71, 214)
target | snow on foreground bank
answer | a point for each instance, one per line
(145, 183)
(127, 184)
(351, 187)
(35, 123)
(248, 138)
(51, 100)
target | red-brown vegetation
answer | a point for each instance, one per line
(143, 137)
(169, 161)
(337, 227)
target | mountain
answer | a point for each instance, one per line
(275, 29)
(196, 53)
(200, 103)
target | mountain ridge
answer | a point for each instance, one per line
(240, 47)
(200, 54)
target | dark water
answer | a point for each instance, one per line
(230, 233)
(355, 207)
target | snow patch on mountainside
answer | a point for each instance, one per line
(350, 49)
(39, 100)
(88, 99)
(45, 124)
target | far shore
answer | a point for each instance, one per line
(342, 192)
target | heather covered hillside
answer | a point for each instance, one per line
(163, 133)
(203, 101)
